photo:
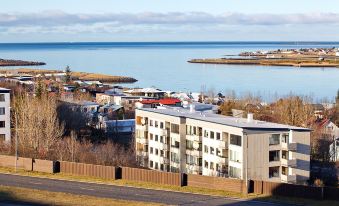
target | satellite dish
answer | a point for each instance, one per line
(196, 145)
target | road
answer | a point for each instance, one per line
(121, 192)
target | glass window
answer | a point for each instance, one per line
(212, 135)
(284, 170)
(284, 154)
(156, 124)
(273, 172)
(218, 136)
(206, 133)
(234, 156)
(175, 128)
(206, 149)
(275, 139)
(2, 124)
(235, 139)
(2, 97)
(189, 144)
(150, 136)
(235, 172)
(151, 164)
(274, 155)
(212, 166)
(156, 152)
(151, 123)
(206, 164)
(151, 150)
(212, 150)
(284, 138)
(156, 138)
(2, 137)
(161, 125)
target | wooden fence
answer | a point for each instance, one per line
(45, 166)
(157, 177)
(217, 183)
(100, 171)
(291, 190)
(22, 163)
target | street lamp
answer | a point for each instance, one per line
(16, 139)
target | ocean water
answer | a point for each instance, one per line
(164, 65)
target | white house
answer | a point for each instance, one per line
(5, 119)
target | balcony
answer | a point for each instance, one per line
(141, 127)
(142, 140)
(291, 178)
(289, 163)
(292, 146)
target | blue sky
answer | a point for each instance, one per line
(168, 20)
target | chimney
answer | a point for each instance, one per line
(192, 108)
(250, 117)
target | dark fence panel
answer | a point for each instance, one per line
(157, 177)
(217, 183)
(290, 190)
(331, 193)
(100, 171)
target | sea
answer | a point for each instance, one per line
(164, 65)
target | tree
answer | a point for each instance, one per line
(68, 76)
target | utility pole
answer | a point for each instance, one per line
(16, 141)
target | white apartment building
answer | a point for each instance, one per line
(185, 140)
(5, 116)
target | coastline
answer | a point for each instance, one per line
(11, 62)
(85, 76)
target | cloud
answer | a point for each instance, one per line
(59, 18)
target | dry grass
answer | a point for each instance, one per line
(19, 195)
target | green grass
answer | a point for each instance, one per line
(19, 195)
(186, 189)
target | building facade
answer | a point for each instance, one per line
(5, 115)
(184, 140)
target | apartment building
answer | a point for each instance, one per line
(198, 142)
(5, 119)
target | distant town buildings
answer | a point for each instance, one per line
(201, 142)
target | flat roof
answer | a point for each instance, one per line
(4, 90)
(223, 120)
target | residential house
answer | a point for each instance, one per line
(5, 118)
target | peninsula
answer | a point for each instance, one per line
(291, 57)
(11, 62)
(84, 76)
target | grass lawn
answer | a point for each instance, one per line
(172, 188)
(23, 196)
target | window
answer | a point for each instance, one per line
(2, 97)
(200, 161)
(150, 136)
(206, 133)
(161, 125)
(2, 110)
(234, 156)
(156, 166)
(175, 128)
(156, 152)
(275, 139)
(217, 167)
(2, 137)
(284, 170)
(217, 151)
(212, 166)
(151, 150)
(206, 149)
(151, 123)
(212, 150)
(218, 136)
(161, 139)
(156, 138)
(161, 153)
(235, 172)
(284, 154)
(174, 157)
(156, 124)
(2, 124)
(206, 164)
(273, 172)
(161, 167)
(151, 164)
(235, 139)
(175, 144)
(189, 144)
(274, 155)
(190, 160)
(284, 138)
(212, 135)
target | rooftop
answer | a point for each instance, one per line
(165, 101)
(221, 119)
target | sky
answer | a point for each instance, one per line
(168, 20)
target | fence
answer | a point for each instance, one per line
(28, 164)
(157, 177)
(217, 183)
(100, 171)
(291, 190)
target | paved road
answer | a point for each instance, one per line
(120, 192)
